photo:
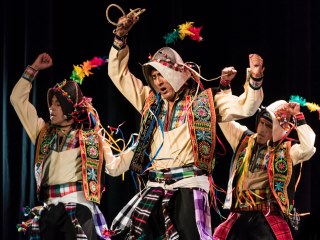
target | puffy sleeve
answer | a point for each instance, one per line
(115, 165)
(230, 107)
(233, 132)
(26, 112)
(305, 149)
(131, 87)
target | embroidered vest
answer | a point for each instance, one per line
(279, 173)
(201, 120)
(151, 108)
(202, 127)
(91, 156)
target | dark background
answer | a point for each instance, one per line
(284, 32)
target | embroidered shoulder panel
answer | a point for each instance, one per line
(42, 150)
(281, 172)
(92, 162)
(139, 160)
(202, 127)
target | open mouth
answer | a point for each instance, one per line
(163, 90)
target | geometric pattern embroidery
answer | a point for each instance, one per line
(92, 151)
(151, 110)
(42, 151)
(281, 164)
(91, 157)
(45, 144)
(202, 126)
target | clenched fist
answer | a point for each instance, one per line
(256, 65)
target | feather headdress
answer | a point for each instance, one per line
(184, 30)
(84, 70)
(303, 102)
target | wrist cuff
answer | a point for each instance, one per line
(119, 42)
(256, 79)
(300, 119)
(225, 87)
(30, 74)
(255, 84)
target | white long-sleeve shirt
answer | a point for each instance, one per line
(177, 146)
(65, 166)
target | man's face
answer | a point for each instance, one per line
(163, 86)
(56, 113)
(264, 131)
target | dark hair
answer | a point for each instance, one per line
(263, 112)
(68, 94)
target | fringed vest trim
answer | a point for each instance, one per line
(279, 171)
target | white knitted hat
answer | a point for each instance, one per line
(278, 119)
(170, 65)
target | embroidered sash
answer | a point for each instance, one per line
(280, 165)
(202, 127)
(92, 162)
(151, 110)
(42, 150)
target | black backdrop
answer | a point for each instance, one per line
(285, 33)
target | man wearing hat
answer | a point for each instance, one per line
(261, 186)
(176, 145)
(70, 159)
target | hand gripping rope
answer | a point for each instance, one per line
(133, 13)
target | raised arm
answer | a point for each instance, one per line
(233, 132)
(131, 87)
(305, 149)
(19, 97)
(230, 107)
